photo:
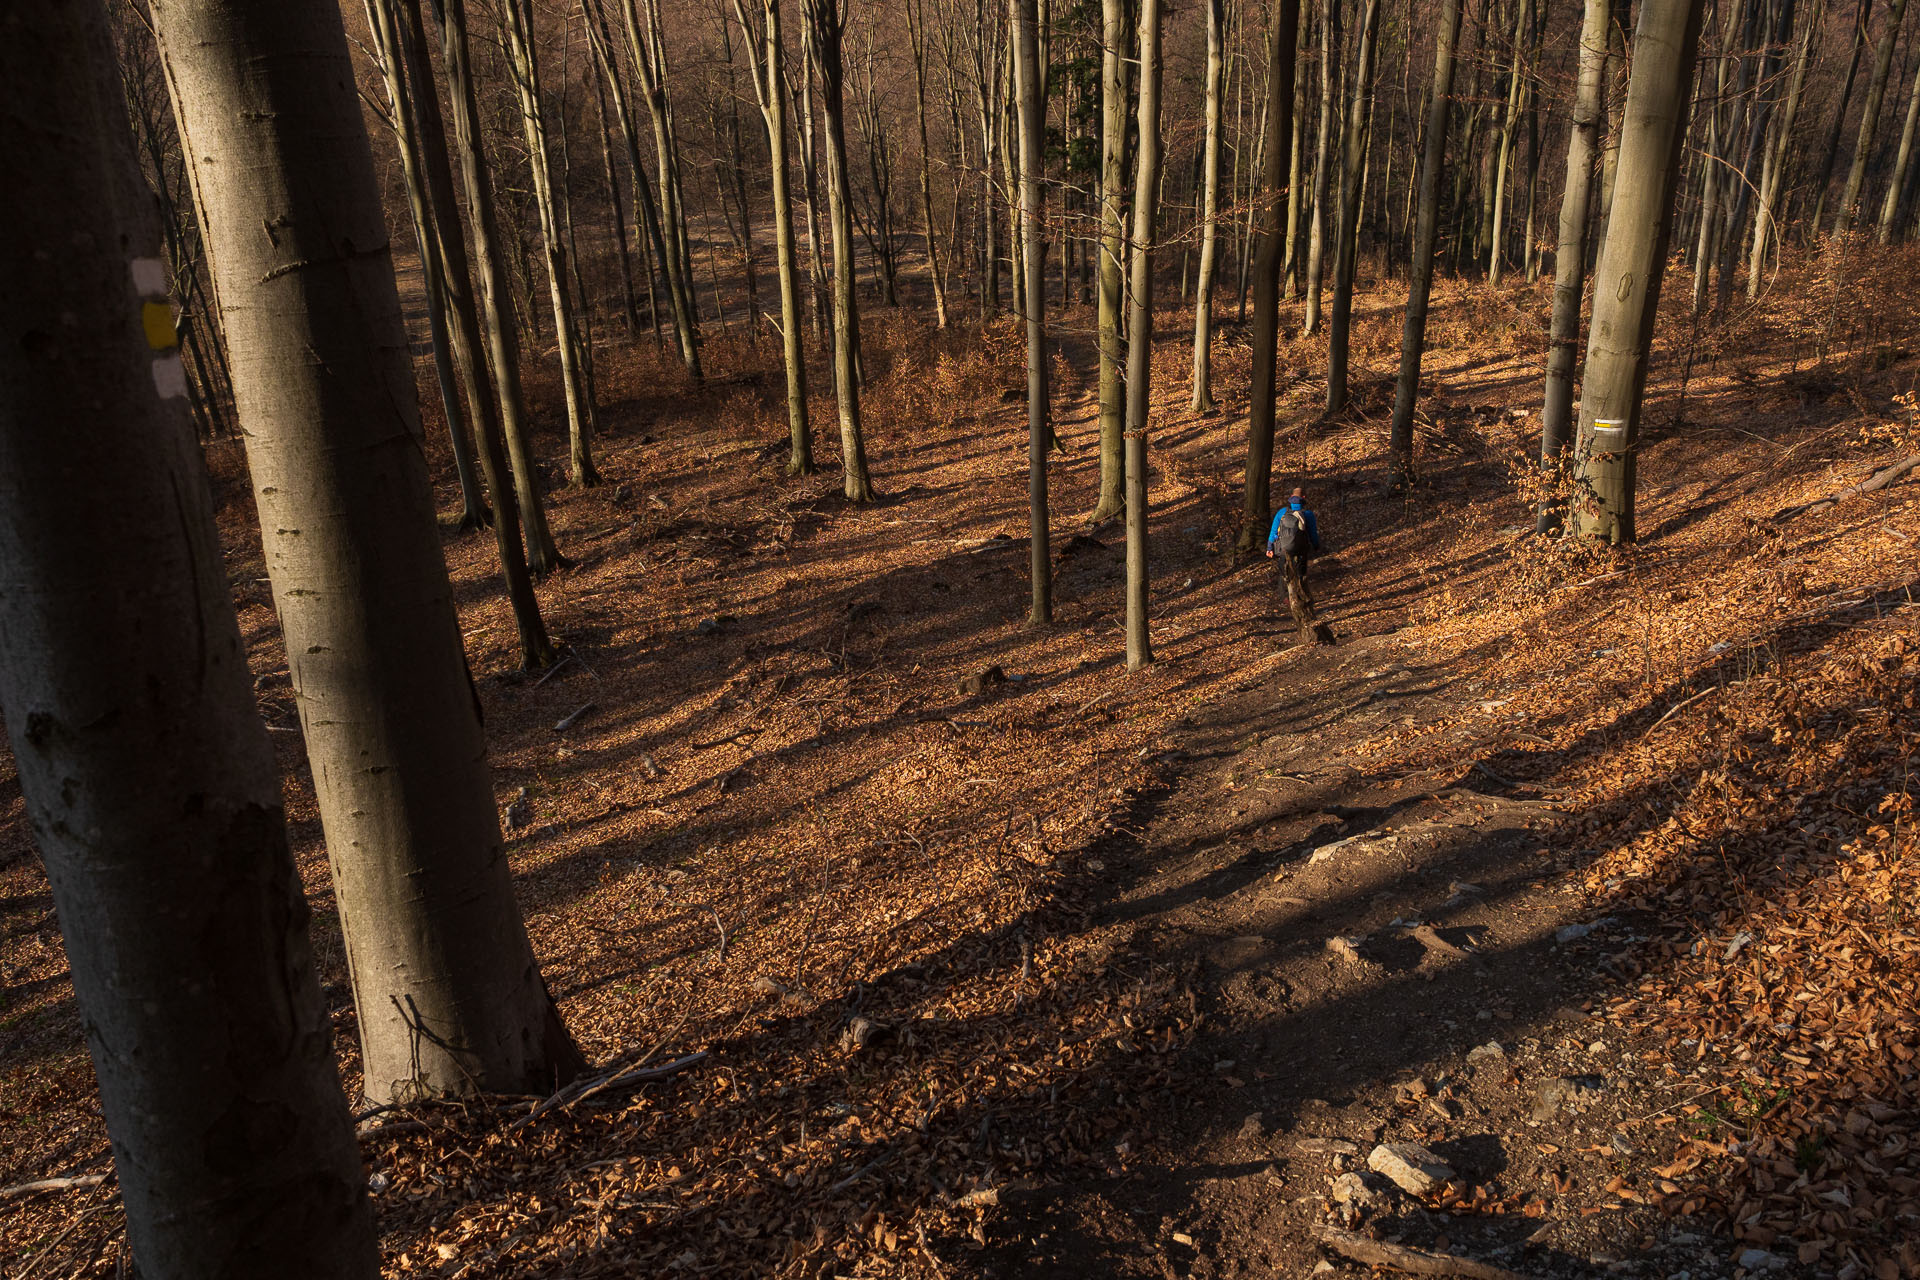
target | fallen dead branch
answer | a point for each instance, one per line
(48, 1185)
(1422, 1262)
(581, 1090)
(1881, 479)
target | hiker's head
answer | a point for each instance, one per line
(1297, 499)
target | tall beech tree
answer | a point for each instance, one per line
(448, 994)
(1025, 24)
(766, 59)
(917, 42)
(149, 783)
(523, 64)
(1773, 173)
(403, 121)
(1413, 334)
(1869, 121)
(827, 20)
(648, 51)
(1626, 296)
(1110, 279)
(1282, 71)
(1353, 175)
(408, 35)
(1202, 399)
(1318, 231)
(1570, 257)
(1140, 333)
(503, 340)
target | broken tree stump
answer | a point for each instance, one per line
(1300, 604)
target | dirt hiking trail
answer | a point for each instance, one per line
(1582, 880)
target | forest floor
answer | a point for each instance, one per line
(1592, 872)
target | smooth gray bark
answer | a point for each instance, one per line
(676, 261)
(826, 19)
(1347, 240)
(1202, 400)
(1627, 282)
(524, 69)
(1570, 257)
(1110, 279)
(496, 307)
(769, 68)
(1140, 334)
(149, 782)
(1032, 113)
(1896, 185)
(1413, 334)
(448, 994)
(1773, 174)
(917, 38)
(1317, 231)
(1869, 120)
(1503, 157)
(1275, 233)
(469, 344)
(406, 135)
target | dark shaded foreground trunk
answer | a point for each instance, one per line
(148, 778)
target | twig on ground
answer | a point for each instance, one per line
(46, 1185)
(576, 717)
(1424, 1262)
(54, 1243)
(1676, 708)
(554, 670)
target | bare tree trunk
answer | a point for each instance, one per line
(827, 21)
(1627, 282)
(770, 87)
(474, 513)
(536, 649)
(1570, 257)
(653, 244)
(1111, 279)
(1275, 234)
(676, 260)
(543, 556)
(1353, 173)
(1503, 162)
(1413, 336)
(1317, 233)
(1024, 21)
(1711, 162)
(448, 994)
(917, 37)
(1773, 176)
(1869, 120)
(148, 779)
(1295, 173)
(517, 21)
(1896, 186)
(616, 212)
(1862, 27)
(1616, 99)
(1202, 401)
(1140, 335)
(817, 284)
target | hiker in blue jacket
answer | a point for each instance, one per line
(1295, 534)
